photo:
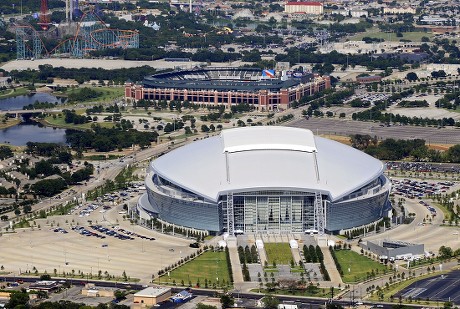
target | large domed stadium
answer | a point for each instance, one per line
(265, 180)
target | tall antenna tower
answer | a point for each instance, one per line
(44, 16)
(322, 37)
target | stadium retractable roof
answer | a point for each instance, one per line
(268, 138)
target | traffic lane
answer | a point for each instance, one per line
(211, 293)
(447, 135)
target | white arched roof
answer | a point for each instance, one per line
(267, 158)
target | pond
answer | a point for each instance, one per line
(25, 132)
(19, 102)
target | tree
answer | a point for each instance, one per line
(270, 301)
(411, 76)
(445, 252)
(18, 300)
(226, 301)
(453, 154)
(333, 306)
(204, 128)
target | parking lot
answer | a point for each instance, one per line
(368, 97)
(424, 167)
(419, 189)
(440, 288)
(103, 242)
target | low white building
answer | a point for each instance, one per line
(399, 10)
(4, 81)
(311, 8)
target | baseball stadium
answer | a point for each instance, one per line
(262, 89)
(266, 180)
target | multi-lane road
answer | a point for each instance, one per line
(345, 127)
(300, 301)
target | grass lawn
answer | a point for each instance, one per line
(10, 93)
(10, 122)
(359, 265)
(279, 253)
(59, 122)
(444, 210)
(375, 33)
(210, 265)
(106, 93)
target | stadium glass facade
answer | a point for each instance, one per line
(270, 211)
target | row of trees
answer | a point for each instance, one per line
(49, 150)
(49, 187)
(312, 254)
(248, 255)
(336, 261)
(119, 76)
(374, 114)
(391, 149)
(108, 139)
(315, 255)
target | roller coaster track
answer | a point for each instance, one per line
(92, 34)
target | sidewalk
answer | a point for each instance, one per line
(235, 260)
(330, 267)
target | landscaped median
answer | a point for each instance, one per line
(388, 292)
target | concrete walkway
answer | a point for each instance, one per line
(296, 255)
(262, 256)
(235, 260)
(330, 267)
(296, 252)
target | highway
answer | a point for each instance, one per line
(343, 127)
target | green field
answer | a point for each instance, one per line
(210, 265)
(375, 33)
(106, 94)
(359, 265)
(59, 122)
(9, 93)
(279, 253)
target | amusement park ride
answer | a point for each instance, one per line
(91, 34)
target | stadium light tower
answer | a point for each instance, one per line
(322, 37)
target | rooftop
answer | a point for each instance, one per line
(267, 158)
(304, 3)
(152, 292)
(268, 138)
